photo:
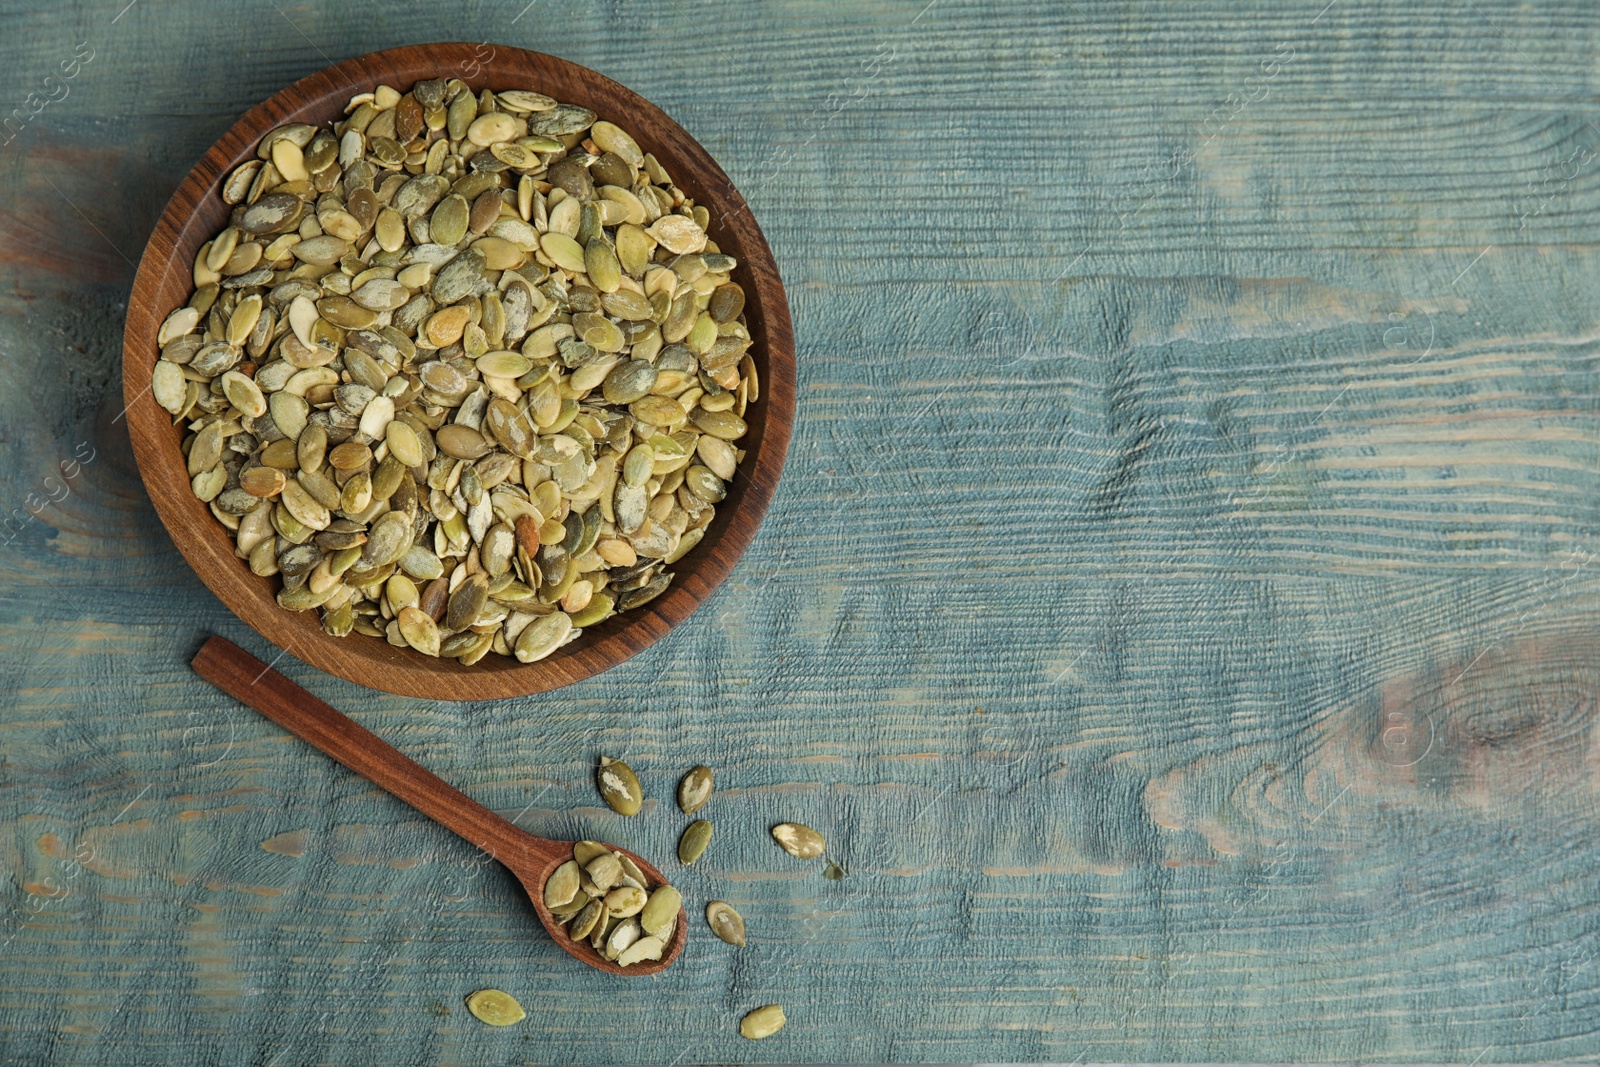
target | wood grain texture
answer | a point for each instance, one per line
(1180, 609)
(164, 282)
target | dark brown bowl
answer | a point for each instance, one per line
(196, 212)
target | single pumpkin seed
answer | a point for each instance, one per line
(798, 840)
(695, 789)
(644, 948)
(696, 836)
(725, 922)
(495, 1008)
(543, 637)
(586, 852)
(562, 885)
(619, 787)
(625, 901)
(763, 1022)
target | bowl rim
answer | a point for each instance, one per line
(166, 266)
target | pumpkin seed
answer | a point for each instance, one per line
(562, 885)
(623, 935)
(726, 923)
(679, 234)
(696, 836)
(625, 901)
(695, 789)
(495, 1008)
(543, 637)
(419, 630)
(763, 1022)
(798, 840)
(661, 912)
(523, 100)
(584, 923)
(645, 948)
(619, 787)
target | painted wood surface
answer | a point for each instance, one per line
(1181, 609)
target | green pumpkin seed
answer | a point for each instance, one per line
(660, 914)
(763, 1022)
(798, 840)
(504, 364)
(583, 925)
(419, 630)
(629, 382)
(495, 1008)
(601, 264)
(604, 871)
(619, 787)
(695, 789)
(696, 836)
(563, 251)
(726, 923)
(562, 885)
(723, 424)
(645, 948)
(586, 852)
(543, 637)
(625, 901)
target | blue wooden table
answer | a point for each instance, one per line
(1181, 611)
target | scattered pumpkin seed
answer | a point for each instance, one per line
(495, 1008)
(619, 787)
(726, 923)
(696, 836)
(695, 788)
(763, 1022)
(798, 840)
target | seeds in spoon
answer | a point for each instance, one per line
(661, 912)
(799, 840)
(613, 905)
(562, 886)
(495, 1007)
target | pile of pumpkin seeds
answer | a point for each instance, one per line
(602, 895)
(464, 369)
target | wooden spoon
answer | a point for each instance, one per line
(532, 859)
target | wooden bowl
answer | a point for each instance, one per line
(197, 212)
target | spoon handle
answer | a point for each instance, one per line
(248, 680)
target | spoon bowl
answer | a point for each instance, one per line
(534, 882)
(530, 857)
